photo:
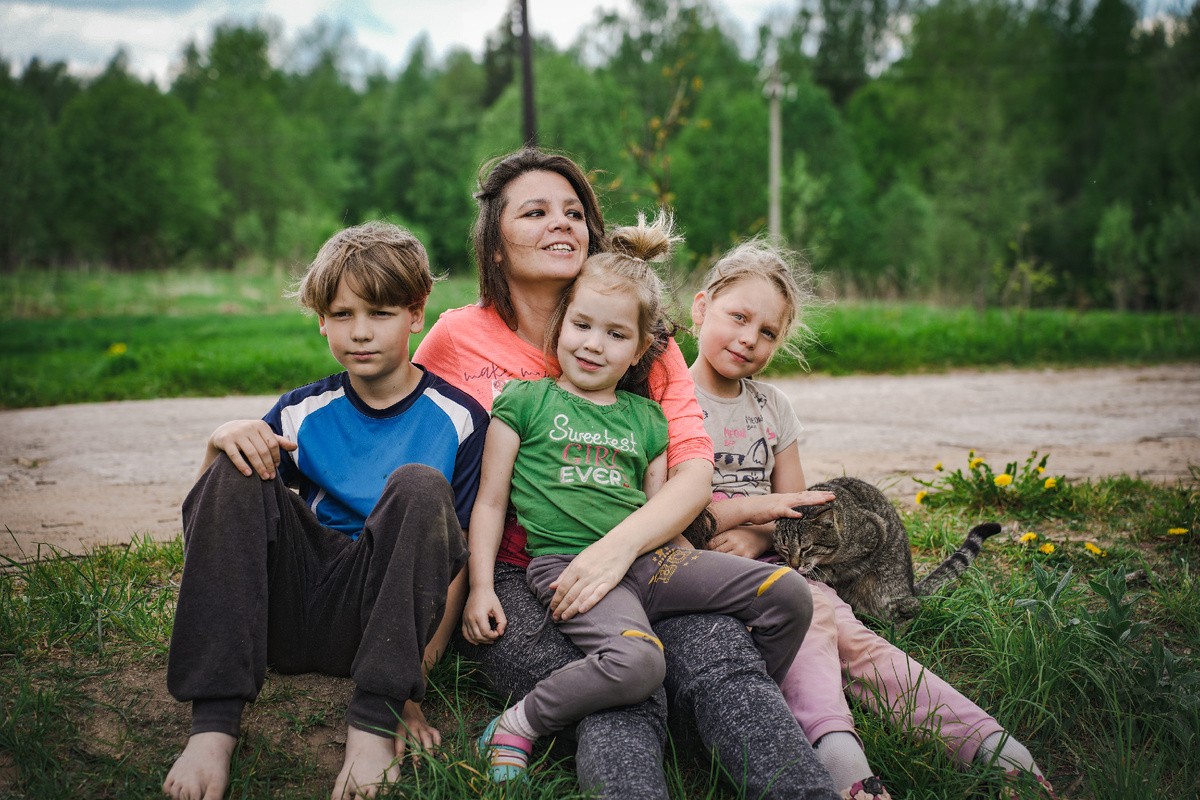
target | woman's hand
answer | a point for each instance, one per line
(482, 610)
(746, 542)
(598, 568)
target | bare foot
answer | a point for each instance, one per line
(369, 760)
(202, 771)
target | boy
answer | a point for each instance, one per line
(355, 575)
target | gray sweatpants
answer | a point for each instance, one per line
(624, 661)
(265, 583)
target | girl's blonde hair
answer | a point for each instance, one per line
(627, 267)
(786, 270)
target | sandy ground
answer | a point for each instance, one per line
(76, 476)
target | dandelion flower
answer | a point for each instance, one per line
(1002, 480)
(117, 349)
(1028, 537)
(1041, 469)
(1177, 531)
(1093, 549)
(1051, 483)
(937, 467)
(975, 462)
(921, 495)
(970, 454)
(1047, 548)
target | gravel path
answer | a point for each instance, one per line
(76, 476)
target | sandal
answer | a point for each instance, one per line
(507, 754)
(867, 789)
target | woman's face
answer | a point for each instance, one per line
(545, 237)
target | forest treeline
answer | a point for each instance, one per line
(1006, 152)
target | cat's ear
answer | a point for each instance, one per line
(699, 306)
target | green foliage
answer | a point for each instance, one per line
(1023, 493)
(1015, 154)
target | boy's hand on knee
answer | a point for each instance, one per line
(251, 445)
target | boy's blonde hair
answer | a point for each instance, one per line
(786, 270)
(384, 264)
(628, 267)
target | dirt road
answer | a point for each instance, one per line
(81, 475)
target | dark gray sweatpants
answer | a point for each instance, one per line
(624, 661)
(265, 583)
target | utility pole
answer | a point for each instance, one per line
(527, 75)
(774, 92)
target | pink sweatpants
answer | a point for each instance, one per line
(840, 655)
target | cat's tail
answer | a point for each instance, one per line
(954, 566)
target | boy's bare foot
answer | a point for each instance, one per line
(369, 760)
(202, 771)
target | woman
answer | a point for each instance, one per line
(538, 221)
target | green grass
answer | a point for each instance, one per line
(1097, 675)
(72, 337)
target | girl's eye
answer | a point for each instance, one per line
(769, 334)
(616, 334)
(738, 317)
(583, 326)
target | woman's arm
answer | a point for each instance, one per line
(604, 563)
(483, 609)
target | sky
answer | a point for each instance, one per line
(87, 33)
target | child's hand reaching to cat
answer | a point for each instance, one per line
(483, 618)
(770, 507)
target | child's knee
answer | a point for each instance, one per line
(637, 667)
(419, 481)
(787, 592)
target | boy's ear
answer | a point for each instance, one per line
(699, 306)
(321, 319)
(418, 319)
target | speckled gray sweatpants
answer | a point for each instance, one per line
(714, 674)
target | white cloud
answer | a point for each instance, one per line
(154, 32)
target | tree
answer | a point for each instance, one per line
(137, 186)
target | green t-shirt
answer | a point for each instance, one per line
(580, 466)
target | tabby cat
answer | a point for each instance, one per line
(857, 545)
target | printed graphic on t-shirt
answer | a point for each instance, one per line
(498, 376)
(591, 456)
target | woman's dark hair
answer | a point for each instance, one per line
(494, 177)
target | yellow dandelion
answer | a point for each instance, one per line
(970, 454)
(1051, 483)
(1047, 548)
(1028, 537)
(937, 467)
(1002, 480)
(1177, 531)
(1041, 469)
(975, 462)
(921, 495)
(117, 348)
(1093, 549)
